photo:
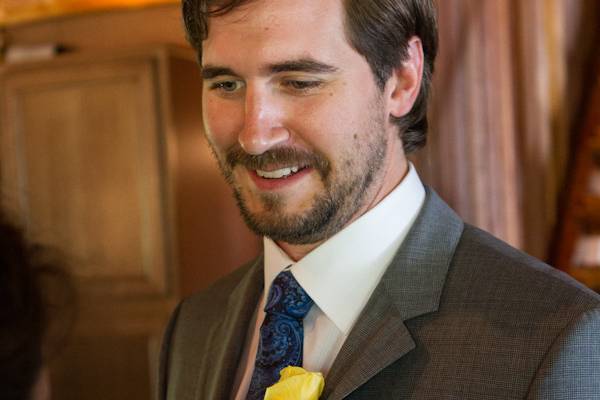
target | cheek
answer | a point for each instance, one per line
(326, 136)
(330, 124)
(339, 127)
(222, 122)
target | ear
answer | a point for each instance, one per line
(404, 85)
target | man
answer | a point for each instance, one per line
(367, 276)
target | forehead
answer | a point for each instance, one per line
(277, 29)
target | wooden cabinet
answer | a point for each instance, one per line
(81, 161)
(103, 158)
(576, 248)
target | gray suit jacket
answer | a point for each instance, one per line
(457, 315)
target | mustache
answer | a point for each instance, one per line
(278, 156)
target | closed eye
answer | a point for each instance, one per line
(302, 85)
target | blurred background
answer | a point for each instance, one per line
(102, 157)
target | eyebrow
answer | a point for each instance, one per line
(210, 71)
(300, 65)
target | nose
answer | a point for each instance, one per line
(262, 128)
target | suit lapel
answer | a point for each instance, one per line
(228, 338)
(411, 286)
(378, 339)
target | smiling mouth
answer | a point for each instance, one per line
(279, 173)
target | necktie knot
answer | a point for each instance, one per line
(287, 297)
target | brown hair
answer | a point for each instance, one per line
(379, 30)
(36, 298)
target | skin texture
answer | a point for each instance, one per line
(282, 88)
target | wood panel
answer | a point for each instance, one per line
(126, 376)
(81, 165)
(101, 31)
(19, 11)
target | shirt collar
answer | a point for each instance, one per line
(341, 274)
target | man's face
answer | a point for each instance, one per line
(295, 118)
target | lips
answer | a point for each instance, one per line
(279, 178)
(278, 173)
(279, 168)
(278, 163)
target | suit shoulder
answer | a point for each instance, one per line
(502, 269)
(196, 315)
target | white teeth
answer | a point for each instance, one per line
(278, 173)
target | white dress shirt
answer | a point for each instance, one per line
(340, 275)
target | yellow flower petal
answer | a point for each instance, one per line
(296, 384)
(290, 371)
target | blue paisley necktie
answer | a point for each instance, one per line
(281, 333)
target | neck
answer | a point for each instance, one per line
(297, 251)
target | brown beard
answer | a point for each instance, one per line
(331, 210)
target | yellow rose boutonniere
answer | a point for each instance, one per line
(296, 384)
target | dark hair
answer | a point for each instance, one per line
(29, 282)
(377, 29)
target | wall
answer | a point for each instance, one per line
(507, 92)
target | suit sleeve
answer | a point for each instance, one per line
(571, 367)
(163, 366)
